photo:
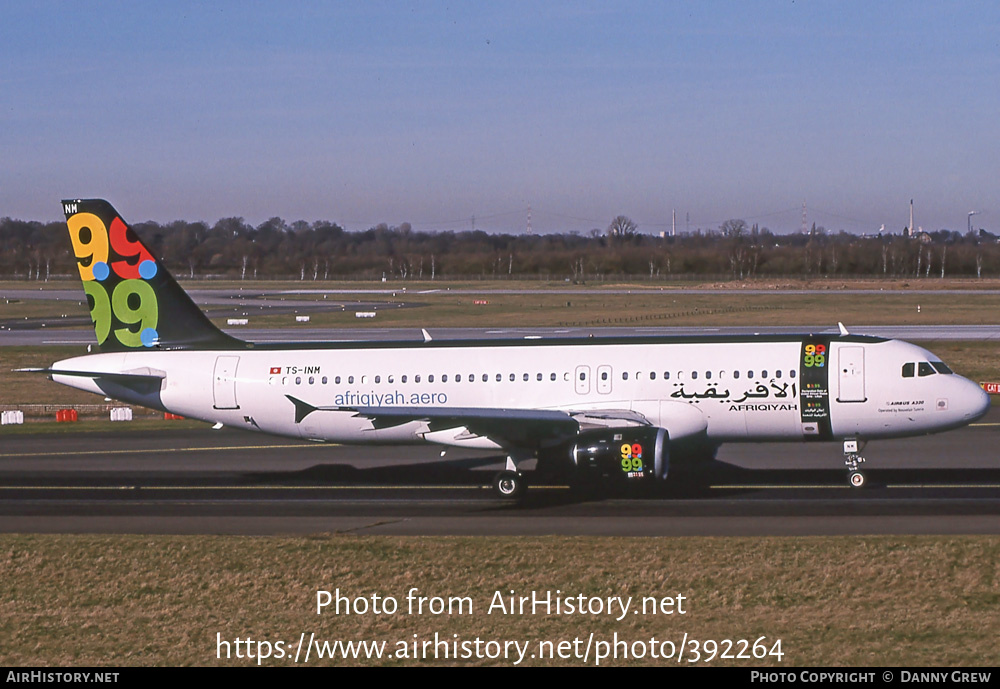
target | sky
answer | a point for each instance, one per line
(466, 114)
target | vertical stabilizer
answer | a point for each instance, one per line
(134, 302)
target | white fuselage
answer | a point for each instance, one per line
(725, 389)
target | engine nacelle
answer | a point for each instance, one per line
(633, 454)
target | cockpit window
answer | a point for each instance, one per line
(924, 369)
(941, 367)
(908, 370)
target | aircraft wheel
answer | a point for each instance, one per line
(856, 479)
(509, 484)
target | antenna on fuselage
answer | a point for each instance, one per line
(843, 329)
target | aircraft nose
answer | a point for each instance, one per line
(977, 402)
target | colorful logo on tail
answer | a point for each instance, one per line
(116, 270)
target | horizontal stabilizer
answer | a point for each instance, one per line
(142, 383)
(152, 376)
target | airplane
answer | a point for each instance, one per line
(602, 408)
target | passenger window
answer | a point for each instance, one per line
(538, 376)
(583, 376)
(624, 375)
(298, 380)
(552, 376)
(486, 377)
(736, 374)
(694, 375)
(416, 378)
(777, 374)
(604, 375)
(525, 377)
(402, 379)
(512, 377)
(666, 375)
(350, 380)
(924, 369)
(708, 375)
(444, 378)
(378, 379)
(499, 378)
(430, 378)
(652, 375)
(312, 380)
(324, 380)
(908, 370)
(791, 374)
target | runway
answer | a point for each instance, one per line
(200, 481)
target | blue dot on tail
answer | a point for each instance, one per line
(101, 271)
(149, 336)
(147, 269)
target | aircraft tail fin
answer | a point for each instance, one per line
(134, 302)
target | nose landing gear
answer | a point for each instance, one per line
(853, 460)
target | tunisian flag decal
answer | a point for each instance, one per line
(275, 370)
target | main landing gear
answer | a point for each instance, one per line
(510, 482)
(853, 460)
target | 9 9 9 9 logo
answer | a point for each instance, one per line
(814, 355)
(631, 459)
(115, 269)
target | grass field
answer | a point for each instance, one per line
(851, 601)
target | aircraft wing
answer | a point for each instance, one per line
(507, 428)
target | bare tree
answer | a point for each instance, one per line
(733, 228)
(622, 227)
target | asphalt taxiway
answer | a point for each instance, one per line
(202, 481)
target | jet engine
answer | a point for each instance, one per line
(633, 454)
